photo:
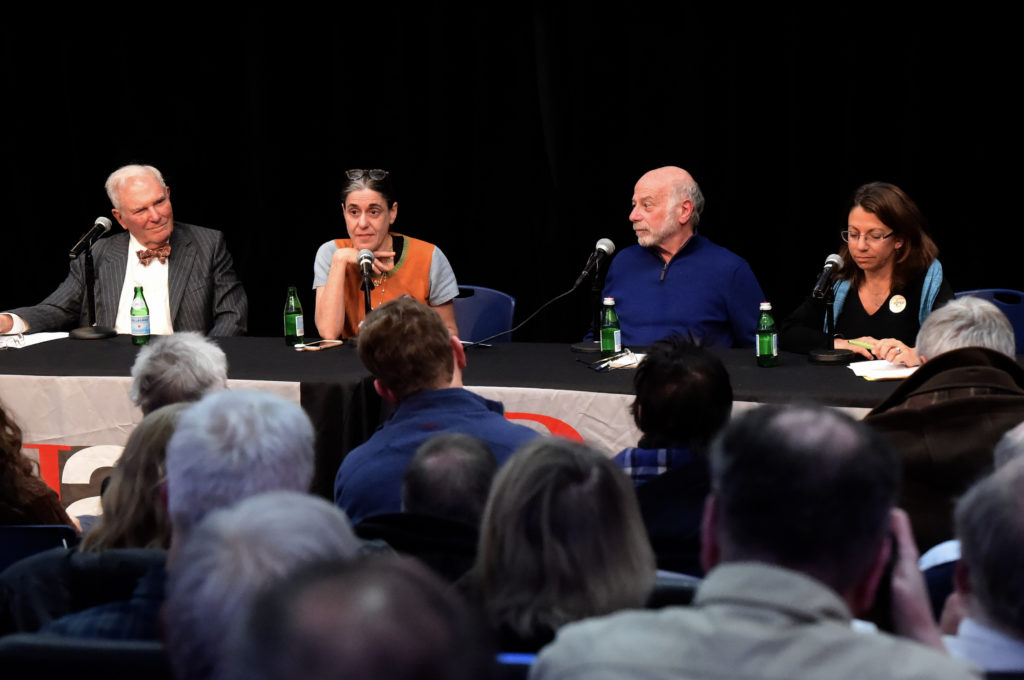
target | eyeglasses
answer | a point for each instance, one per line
(376, 174)
(872, 238)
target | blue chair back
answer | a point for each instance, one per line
(482, 312)
(17, 542)
(1010, 302)
(514, 666)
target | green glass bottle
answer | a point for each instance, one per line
(611, 334)
(140, 318)
(294, 332)
(767, 346)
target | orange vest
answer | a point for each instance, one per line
(410, 276)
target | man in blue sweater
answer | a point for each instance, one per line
(676, 280)
(417, 365)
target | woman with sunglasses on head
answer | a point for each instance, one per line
(401, 265)
(890, 281)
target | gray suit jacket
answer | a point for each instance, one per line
(204, 293)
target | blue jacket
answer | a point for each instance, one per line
(369, 481)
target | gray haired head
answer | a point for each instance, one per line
(234, 444)
(966, 322)
(117, 179)
(232, 555)
(175, 368)
(990, 526)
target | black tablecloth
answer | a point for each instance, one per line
(541, 365)
(338, 392)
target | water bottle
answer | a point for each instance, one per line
(767, 346)
(294, 333)
(611, 334)
(140, 318)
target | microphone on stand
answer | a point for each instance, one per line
(833, 263)
(90, 331)
(828, 354)
(100, 226)
(603, 249)
(365, 259)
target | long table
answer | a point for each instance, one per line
(71, 397)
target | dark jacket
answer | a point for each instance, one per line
(944, 421)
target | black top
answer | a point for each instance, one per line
(802, 330)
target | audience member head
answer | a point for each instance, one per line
(966, 322)
(1010, 446)
(179, 367)
(896, 210)
(450, 476)
(990, 526)
(561, 540)
(134, 512)
(407, 348)
(117, 180)
(381, 618)
(803, 487)
(234, 553)
(14, 465)
(683, 395)
(231, 445)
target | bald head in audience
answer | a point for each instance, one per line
(382, 618)
(450, 477)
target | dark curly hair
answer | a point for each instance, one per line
(13, 465)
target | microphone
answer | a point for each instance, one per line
(100, 227)
(832, 264)
(603, 249)
(366, 259)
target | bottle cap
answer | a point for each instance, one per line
(766, 306)
(609, 301)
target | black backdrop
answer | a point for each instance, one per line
(515, 133)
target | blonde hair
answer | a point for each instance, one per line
(134, 514)
(562, 539)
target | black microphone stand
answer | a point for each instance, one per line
(367, 287)
(596, 284)
(828, 355)
(92, 331)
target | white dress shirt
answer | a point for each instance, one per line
(153, 280)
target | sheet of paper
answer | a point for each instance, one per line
(17, 341)
(628, 361)
(880, 369)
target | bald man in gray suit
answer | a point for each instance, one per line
(189, 281)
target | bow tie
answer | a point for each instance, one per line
(161, 253)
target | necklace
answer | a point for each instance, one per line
(378, 287)
(877, 296)
(378, 283)
(880, 293)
